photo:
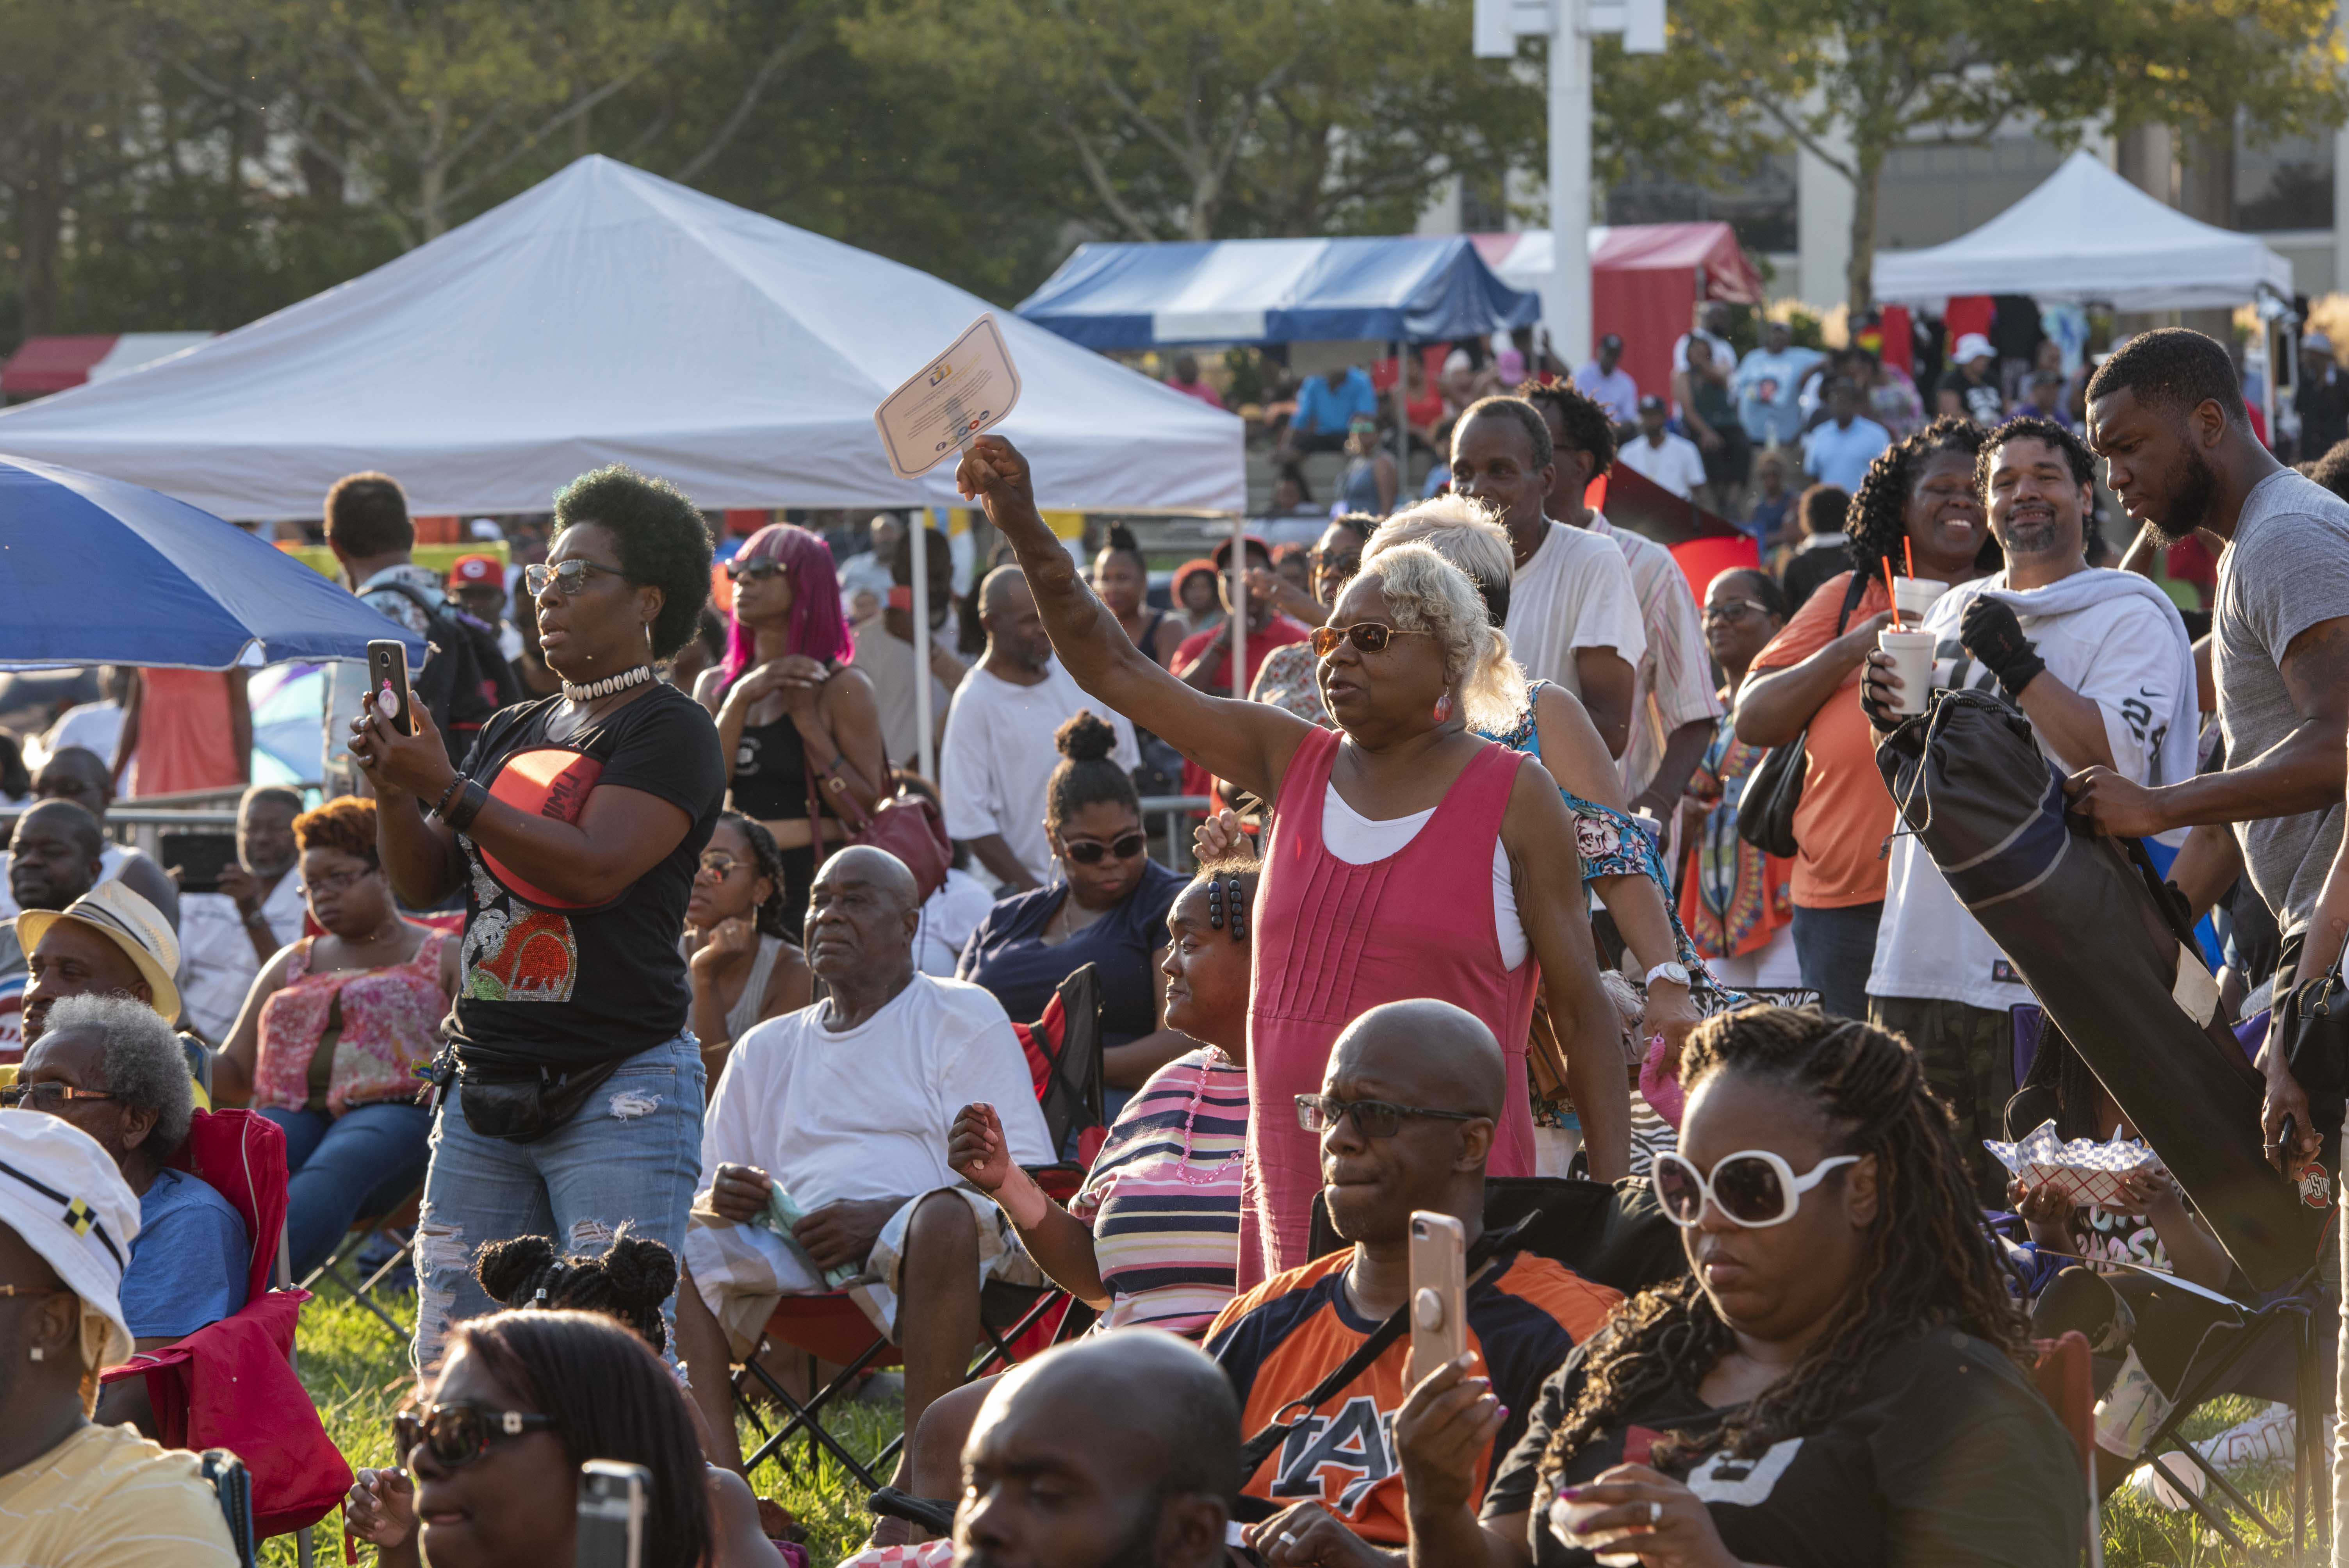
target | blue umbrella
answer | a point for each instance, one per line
(94, 570)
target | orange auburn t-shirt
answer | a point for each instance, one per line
(1845, 811)
(1277, 1341)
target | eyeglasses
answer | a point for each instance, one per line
(460, 1434)
(1089, 851)
(759, 569)
(1369, 636)
(721, 864)
(1733, 610)
(30, 1290)
(334, 882)
(572, 576)
(1753, 1188)
(1372, 1117)
(1340, 565)
(42, 1096)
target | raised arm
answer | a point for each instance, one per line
(1247, 743)
(1538, 831)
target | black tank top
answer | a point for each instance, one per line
(771, 772)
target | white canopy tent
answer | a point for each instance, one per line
(610, 315)
(2085, 236)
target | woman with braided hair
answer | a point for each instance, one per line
(741, 950)
(1919, 499)
(1838, 1379)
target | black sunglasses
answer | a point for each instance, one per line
(1369, 636)
(460, 1434)
(765, 566)
(1089, 851)
(1372, 1117)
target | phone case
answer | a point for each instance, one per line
(1439, 1323)
(388, 662)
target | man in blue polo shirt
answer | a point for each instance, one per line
(1838, 451)
(1325, 405)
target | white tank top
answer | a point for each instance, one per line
(1358, 840)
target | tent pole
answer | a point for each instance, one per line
(1239, 606)
(925, 742)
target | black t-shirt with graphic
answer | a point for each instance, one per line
(1947, 1455)
(550, 983)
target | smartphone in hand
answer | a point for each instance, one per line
(1439, 1290)
(613, 1498)
(388, 666)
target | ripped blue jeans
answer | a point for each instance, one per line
(632, 1153)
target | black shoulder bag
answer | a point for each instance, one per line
(1765, 808)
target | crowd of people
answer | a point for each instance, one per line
(669, 991)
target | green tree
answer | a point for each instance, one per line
(1884, 72)
(1195, 118)
(66, 73)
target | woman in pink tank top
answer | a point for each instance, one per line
(1406, 667)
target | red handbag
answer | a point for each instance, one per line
(908, 826)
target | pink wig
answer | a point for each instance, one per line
(818, 628)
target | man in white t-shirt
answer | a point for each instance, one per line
(1674, 707)
(226, 935)
(841, 1111)
(999, 753)
(1573, 616)
(865, 576)
(885, 651)
(2099, 662)
(1671, 461)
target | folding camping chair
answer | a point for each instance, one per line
(2294, 1319)
(2064, 1375)
(397, 1225)
(1064, 1062)
(233, 1384)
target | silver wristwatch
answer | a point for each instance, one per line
(1668, 969)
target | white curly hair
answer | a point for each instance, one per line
(1468, 537)
(1425, 593)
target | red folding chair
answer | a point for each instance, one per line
(2065, 1374)
(233, 1384)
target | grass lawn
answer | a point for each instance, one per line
(357, 1373)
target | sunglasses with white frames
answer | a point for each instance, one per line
(1753, 1188)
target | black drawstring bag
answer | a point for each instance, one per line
(2105, 946)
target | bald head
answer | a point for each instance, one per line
(1137, 1434)
(891, 883)
(54, 855)
(1422, 1056)
(1441, 1056)
(1015, 632)
(76, 774)
(863, 913)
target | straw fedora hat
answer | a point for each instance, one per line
(131, 923)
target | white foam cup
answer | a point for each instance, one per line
(1912, 661)
(1915, 595)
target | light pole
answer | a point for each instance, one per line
(1569, 26)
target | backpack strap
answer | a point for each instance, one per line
(1259, 1448)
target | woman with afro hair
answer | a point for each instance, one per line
(1804, 686)
(572, 1086)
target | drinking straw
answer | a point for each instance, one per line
(1909, 553)
(1895, 593)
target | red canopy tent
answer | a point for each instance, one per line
(1645, 281)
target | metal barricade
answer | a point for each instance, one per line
(1173, 815)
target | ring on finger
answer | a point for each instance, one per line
(1655, 1515)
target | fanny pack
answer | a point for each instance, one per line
(520, 1105)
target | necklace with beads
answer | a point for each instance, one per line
(608, 684)
(1208, 1178)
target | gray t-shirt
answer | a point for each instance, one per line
(2287, 569)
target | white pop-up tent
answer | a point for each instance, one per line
(2086, 236)
(610, 315)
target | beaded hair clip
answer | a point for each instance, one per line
(1218, 898)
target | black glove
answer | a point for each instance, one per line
(1990, 632)
(1880, 717)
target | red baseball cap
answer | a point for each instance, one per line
(477, 570)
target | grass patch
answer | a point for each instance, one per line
(2139, 1533)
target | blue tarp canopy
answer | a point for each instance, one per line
(1413, 290)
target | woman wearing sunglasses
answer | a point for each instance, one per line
(1409, 857)
(574, 830)
(1839, 1380)
(493, 1458)
(743, 958)
(799, 729)
(1109, 911)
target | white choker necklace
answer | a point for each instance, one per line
(608, 684)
